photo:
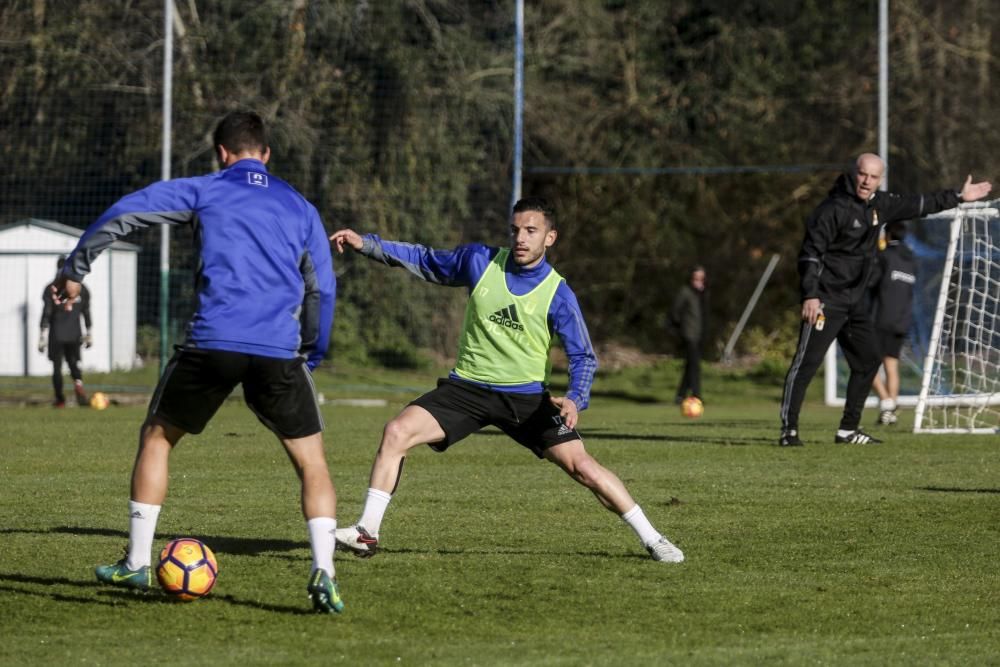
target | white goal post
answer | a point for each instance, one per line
(960, 387)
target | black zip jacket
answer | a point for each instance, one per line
(838, 252)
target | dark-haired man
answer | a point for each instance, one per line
(265, 295)
(835, 267)
(61, 336)
(687, 320)
(517, 305)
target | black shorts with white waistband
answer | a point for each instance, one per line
(462, 408)
(279, 391)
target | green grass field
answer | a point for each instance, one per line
(825, 554)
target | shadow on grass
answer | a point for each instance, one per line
(13, 578)
(638, 555)
(644, 399)
(955, 489)
(245, 546)
(111, 597)
(598, 434)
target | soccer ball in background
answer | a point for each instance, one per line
(188, 569)
(692, 407)
(99, 400)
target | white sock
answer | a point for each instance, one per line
(637, 520)
(323, 541)
(841, 433)
(376, 503)
(141, 531)
(887, 404)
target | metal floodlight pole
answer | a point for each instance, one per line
(830, 372)
(515, 191)
(168, 89)
(883, 88)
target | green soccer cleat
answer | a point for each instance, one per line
(324, 593)
(119, 575)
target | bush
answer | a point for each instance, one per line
(770, 350)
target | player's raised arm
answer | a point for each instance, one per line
(452, 267)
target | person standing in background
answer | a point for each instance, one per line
(893, 313)
(687, 320)
(61, 335)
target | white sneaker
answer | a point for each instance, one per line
(887, 418)
(665, 552)
(357, 540)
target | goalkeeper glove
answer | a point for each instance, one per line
(43, 340)
(88, 341)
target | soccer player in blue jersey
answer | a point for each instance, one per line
(265, 300)
(517, 304)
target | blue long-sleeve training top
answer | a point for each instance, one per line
(264, 280)
(464, 266)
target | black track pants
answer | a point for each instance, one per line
(856, 335)
(691, 379)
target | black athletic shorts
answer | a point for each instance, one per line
(279, 391)
(890, 343)
(462, 408)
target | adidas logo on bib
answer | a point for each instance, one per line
(507, 317)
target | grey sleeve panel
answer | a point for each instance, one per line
(373, 249)
(368, 247)
(309, 312)
(97, 239)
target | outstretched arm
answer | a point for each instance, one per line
(893, 206)
(162, 203)
(461, 266)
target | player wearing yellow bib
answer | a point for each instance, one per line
(517, 304)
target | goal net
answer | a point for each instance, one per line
(960, 385)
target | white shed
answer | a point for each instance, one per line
(29, 250)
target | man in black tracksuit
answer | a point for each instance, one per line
(836, 262)
(892, 309)
(61, 334)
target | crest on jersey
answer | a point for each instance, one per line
(257, 178)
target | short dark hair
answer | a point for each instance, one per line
(536, 204)
(61, 262)
(241, 131)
